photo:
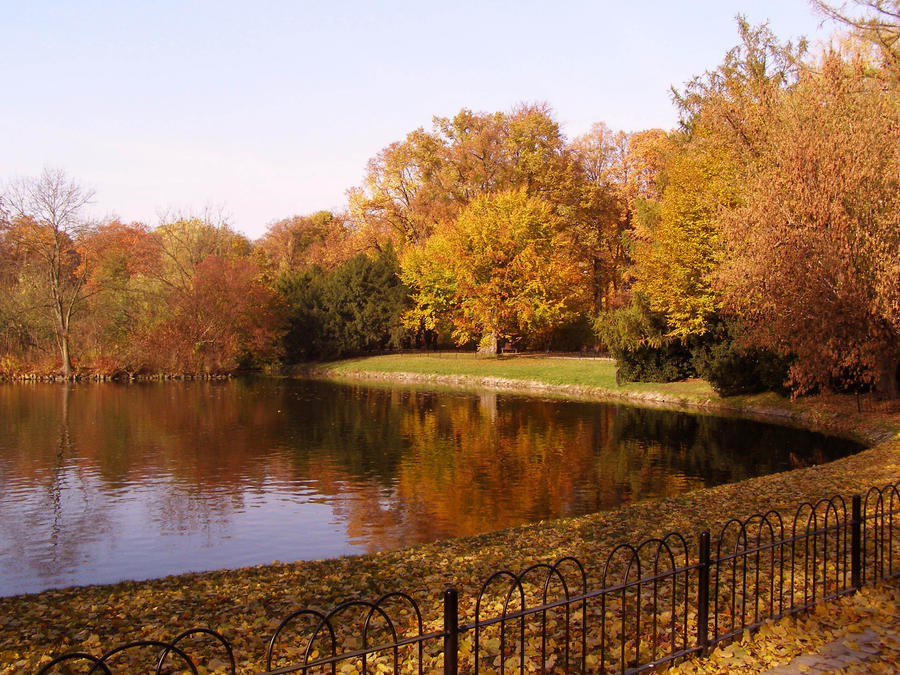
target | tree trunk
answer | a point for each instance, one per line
(62, 316)
(62, 337)
(597, 283)
(488, 344)
(66, 357)
(887, 385)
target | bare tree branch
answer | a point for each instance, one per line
(44, 223)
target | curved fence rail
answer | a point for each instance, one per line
(654, 603)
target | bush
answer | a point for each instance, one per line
(636, 339)
(302, 296)
(668, 363)
(733, 370)
(365, 300)
(353, 309)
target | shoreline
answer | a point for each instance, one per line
(246, 604)
(788, 412)
(113, 378)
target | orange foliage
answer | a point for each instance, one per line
(225, 318)
(815, 247)
(296, 243)
(120, 250)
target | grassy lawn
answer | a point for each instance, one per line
(559, 371)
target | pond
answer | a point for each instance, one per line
(105, 482)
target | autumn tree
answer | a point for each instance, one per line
(497, 271)
(731, 103)
(123, 298)
(44, 228)
(208, 309)
(417, 190)
(186, 241)
(675, 248)
(603, 210)
(616, 171)
(406, 192)
(300, 242)
(14, 335)
(677, 235)
(815, 245)
(781, 209)
(414, 187)
(224, 319)
(537, 158)
(677, 268)
(876, 21)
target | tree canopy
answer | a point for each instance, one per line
(815, 243)
(499, 271)
(760, 235)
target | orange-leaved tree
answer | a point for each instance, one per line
(815, 246)
(414, 187)
(44, 228)
(224, 319)
(212, 310)
(616, 172)
(124, 258)
(300, 242)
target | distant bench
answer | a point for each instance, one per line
(508, 349)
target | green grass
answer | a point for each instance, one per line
(574, 372)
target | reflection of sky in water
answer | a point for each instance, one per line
(87, 534)
(106, 483)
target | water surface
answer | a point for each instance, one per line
(105, 482)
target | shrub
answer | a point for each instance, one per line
(668, 363)
(636, 339)
(733, 370)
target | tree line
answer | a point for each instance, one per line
(756, 245)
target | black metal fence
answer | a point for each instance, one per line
(653, 604)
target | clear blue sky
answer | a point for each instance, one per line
(270, 109)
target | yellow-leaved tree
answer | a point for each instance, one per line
(498, 271)
(677, 267)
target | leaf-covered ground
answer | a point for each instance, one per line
(247, 604)
(829, 635)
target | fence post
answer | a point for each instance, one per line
(703, 594)
(856, 543)
(451, 631)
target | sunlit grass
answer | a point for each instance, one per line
(557, 371)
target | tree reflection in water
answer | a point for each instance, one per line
(104, 482)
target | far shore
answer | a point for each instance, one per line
(595, 379)
(246, 604)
